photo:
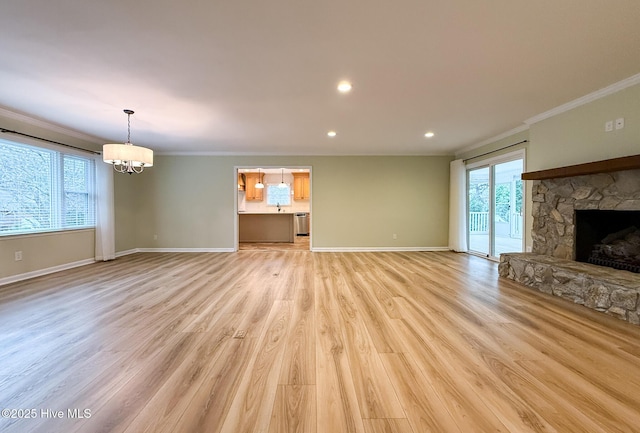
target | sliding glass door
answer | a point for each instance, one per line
(479, 229)
(495, 202)
(507, 207)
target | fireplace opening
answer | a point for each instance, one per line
(608, 238)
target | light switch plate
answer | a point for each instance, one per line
(608, 127)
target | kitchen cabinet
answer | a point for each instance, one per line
(253, 193)
(301, 186)
(241, 181)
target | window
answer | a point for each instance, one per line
(278, 195)
(44, 190)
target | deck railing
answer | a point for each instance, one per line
(479, 224)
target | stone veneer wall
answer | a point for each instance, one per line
(555, 202)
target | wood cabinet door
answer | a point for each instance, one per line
(253, 193)
(301, 186)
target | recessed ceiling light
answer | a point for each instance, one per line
(429, 134)
(344, 86)
(331, 133)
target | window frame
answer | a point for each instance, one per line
(289, 194)
(57, 188)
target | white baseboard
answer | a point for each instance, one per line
(185, 250)
(46, 271)
(375, 249)
(174, 250)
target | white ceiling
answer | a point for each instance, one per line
(259, 77)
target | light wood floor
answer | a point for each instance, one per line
(349, 342)
(300, 243)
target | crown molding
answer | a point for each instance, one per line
(598, 94)
(498, 137)
(50, 126)
(296, 155)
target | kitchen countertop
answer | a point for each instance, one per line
(267, 213)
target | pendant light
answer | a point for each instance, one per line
(259, 185)
(127, 158)
(282, 184)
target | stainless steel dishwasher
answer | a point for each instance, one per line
(302, 223)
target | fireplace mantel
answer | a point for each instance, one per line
(606, 166)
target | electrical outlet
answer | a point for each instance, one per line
(620, 123)
(395, 236)
(18, 256)
(155, 237)
(608, 127)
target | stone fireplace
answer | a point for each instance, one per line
(555, 202)
(566, 210)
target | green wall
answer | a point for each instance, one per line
(357, 202)
(578, 136)
(126, 208)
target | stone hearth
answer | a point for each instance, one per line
(601, 288)
(551, 267)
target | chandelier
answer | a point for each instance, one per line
(127, 158)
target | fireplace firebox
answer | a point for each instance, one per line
(608, 238)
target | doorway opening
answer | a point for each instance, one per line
(273, 208)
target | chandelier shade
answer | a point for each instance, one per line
(125, 157)
(124, 153)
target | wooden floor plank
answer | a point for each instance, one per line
(385, 425)
(425, 410)
(294, 410)
(167, 406)
(376, 395)
(210, 404)
(299, 364)
(253, 403)
(337, 402)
